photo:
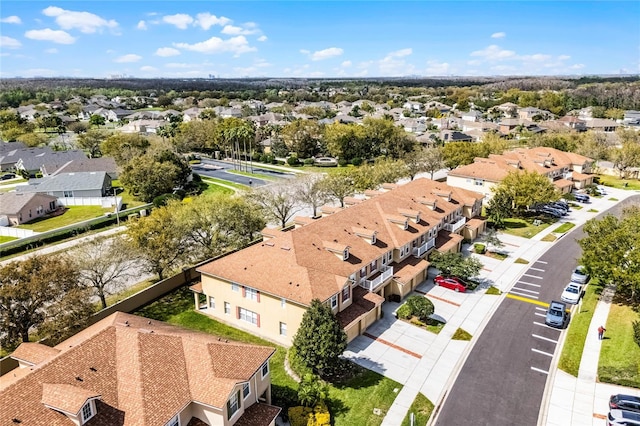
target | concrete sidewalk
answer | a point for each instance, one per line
(427, 363)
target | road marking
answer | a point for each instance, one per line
(541, 309)
(545, 325)
(391, 345)
(545, 338)
(524, 289)
(539, 370)
(536, 269)
(540, 261)
(532, 276)
(525, 295)
(541, 352)
(540, 315)
(535, 285)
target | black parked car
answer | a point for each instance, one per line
(624, 402)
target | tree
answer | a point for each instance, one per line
(320, 339)
(455, 264)
(499, 208)
(311, 191)
(460, 153)
(492, 240)
(524, 189)
(387, 138)
(420, 306)
(32, 139)
(147, 178)
(338, 186)
(424, 160)
(611, 251)
(97, 120)
(103, 264)
(303, 137)
(78, 127)
(123, 147)
(158, 240)
(279, 202)
(216, 223)
(384, 170)
(626, 157)
(40, 293)
(312, 390)
(91, 141)
(347, 141)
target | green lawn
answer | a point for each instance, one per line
(214, 187)
(521, 261)
(127, 197)
(615, 182)
(525, 227)
(73, 214)
(592, 211)
(549, 238)
(129, 291)
(620, 355)
(493, 290)
(461, 334)
(252, 175)
(224, 182)
(577, 333)
(564, 227)
(350, 403)
(421, 408)
(4, 239)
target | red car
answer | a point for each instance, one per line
(455, 284)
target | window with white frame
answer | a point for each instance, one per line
(248, 316)
(374, 265)
(251, 293)
(175, 421)
(352, 278)
(233, 405)
(227, 308)
(212, 302)
(283, 303)
(246, 390)
(373, 238)
(334, 301)
(67, 194)
(346, 294)
(235, 287)
(363, 272)
(265, 369)
(478, 182)
(87, 412)
(283, 329)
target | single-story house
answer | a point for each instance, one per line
(71, 185)
(21, 208)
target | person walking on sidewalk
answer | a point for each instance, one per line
(601, 331)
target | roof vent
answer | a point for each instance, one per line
(78, 378)
(16, 420)
(285, 248)
(93, 369)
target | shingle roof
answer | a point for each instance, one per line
(102, 164)
(50, 160)
(67, 398)
(145, 371)
(34, 353)
(82, 181)
(11, 203)
(299, 266)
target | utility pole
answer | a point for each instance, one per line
(115, 199)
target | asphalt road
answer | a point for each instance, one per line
(219, 170)
(504, 377)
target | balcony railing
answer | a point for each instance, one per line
(382, 277)
(419, 251)
(453, 227)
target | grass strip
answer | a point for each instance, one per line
(421, 408)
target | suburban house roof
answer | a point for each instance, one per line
(12, 156)
(11, 146)
(540, 159)
(82, 181)
(12, 203)
(102, 164)
(141, 372)
(301, 268)
(50, 161)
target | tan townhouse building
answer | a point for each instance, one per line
(129, 370)
(566, 170)
(351, 258)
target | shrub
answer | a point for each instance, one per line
(293, 161)
(308, 161)
(636, 332)
(284, 396)
(162, 200)
(278, 162)
(404, 312)
(479, 248)
(356, 161)
(196, 177)
(342, 162)
(305, 416)
(311, 390)
(420, 306)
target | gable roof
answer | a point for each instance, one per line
(49, 160)
(13, 202)
(144, 372)
(101, 164)
(82, 181)
(301, 269)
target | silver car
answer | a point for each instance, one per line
(580, 275)
(623, 418)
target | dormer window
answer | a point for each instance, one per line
(175, 421)
(340, 250)
(87, 412)
(373, 239)
(345, 254)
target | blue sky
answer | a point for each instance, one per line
(317, 39)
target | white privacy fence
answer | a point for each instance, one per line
(6, 231)
(105, 202)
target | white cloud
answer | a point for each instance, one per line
(142, 25)
(9, 43)
(494, 53)
(499, 35)
(148, 68)
(394, 65)
(262, 38)
(563, 57)
(576, 66)
(437, 68)
(180, 20)
(47, 34)
(11, 20)
(246, 29)
(167, 51)
(128, 58)
(207, 20)
(400, 53)
(38, 72)
(236, 45)
(52, 50)
(320, 55)
(179, 65)
(346, 64)
(84, 21)
(538, 57)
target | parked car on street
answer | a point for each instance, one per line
(453, 283)
(571, 293)
(623, 418)
(580, 275)
(582, 198)
(557, 315)
(549, 211)
(625, 402)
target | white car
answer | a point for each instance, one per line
(571, 293)
(579, 275)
